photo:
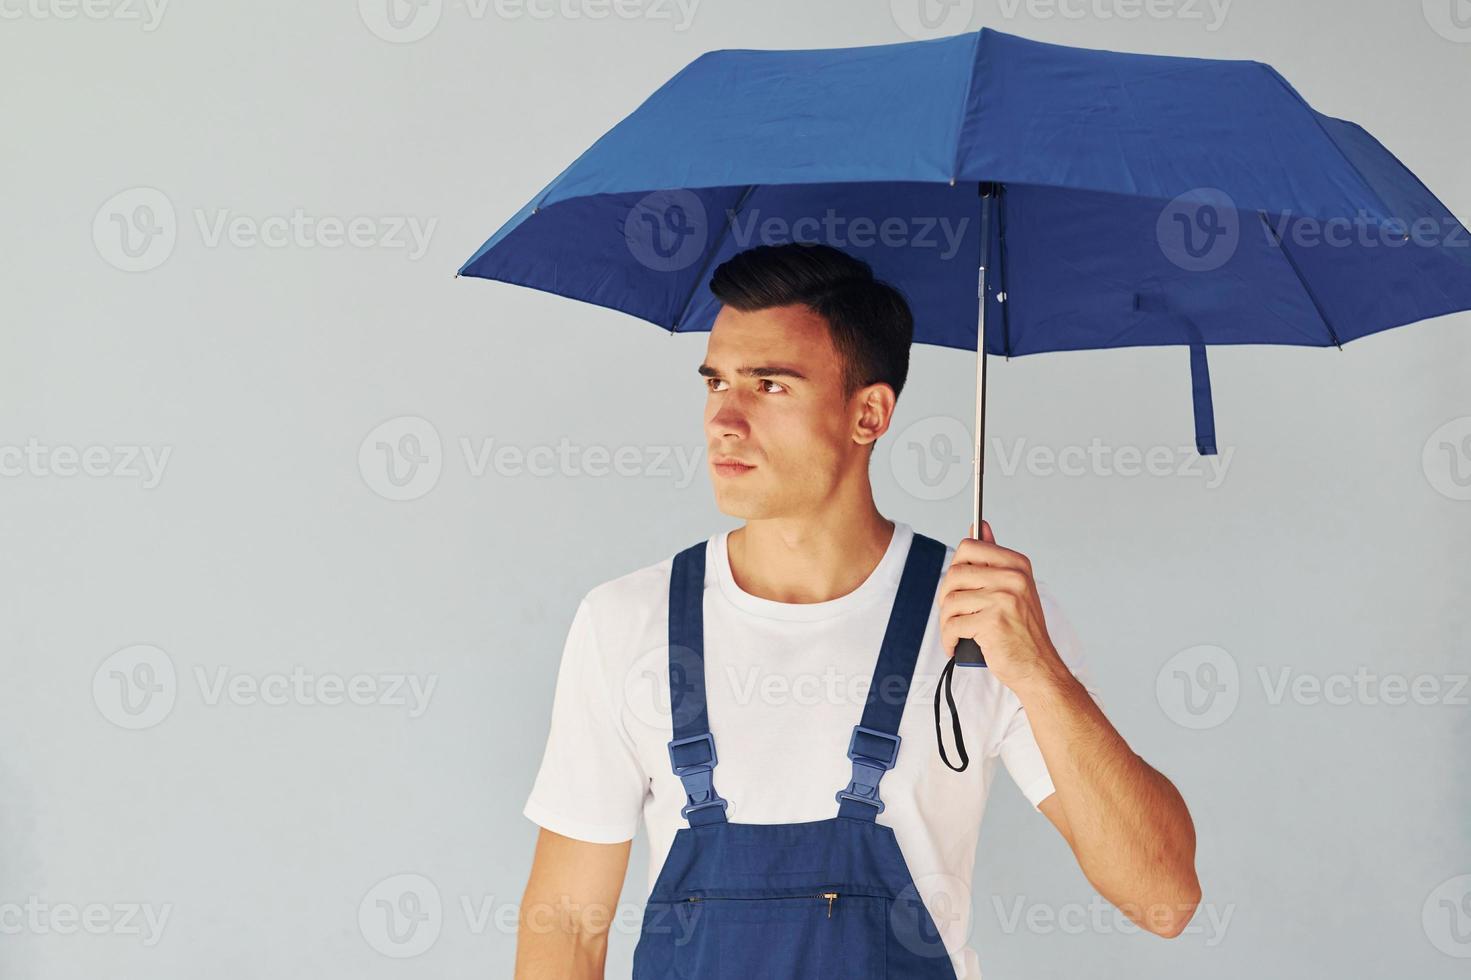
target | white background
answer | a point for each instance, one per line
(287, 837)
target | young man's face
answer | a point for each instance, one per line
(781, 434)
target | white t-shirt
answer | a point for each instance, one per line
(785, 684)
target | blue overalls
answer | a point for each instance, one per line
(824, 898)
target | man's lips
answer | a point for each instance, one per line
(725, 466)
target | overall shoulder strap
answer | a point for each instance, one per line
(692, 749)
(874, 746)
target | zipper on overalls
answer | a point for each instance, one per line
(830, 896)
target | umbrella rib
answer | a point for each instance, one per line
(705, 267)
(970, 81)
(1307, 290)
(1318, 124)
(1001, 270)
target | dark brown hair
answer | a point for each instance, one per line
(868, 319)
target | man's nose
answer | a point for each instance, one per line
(729, 419)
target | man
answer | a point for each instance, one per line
(804, 364)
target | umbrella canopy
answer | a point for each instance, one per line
(1144, 200)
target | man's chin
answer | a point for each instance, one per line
(744, 506)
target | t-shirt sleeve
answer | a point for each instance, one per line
(590, 785)
(1018, 748)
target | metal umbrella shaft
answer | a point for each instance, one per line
(967, 651)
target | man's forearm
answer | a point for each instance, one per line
(1130, 828)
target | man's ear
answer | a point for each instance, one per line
(873, 410)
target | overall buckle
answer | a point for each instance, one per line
(694, 769)
(869, 765)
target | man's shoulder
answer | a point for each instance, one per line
(633, 595)
(649, 583)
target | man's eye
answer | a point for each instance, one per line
(774, 385)
(713, 383)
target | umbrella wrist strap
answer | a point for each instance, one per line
(944, 687)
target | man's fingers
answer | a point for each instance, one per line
(974, 552)
(986, 579)
(965, 602)
(966, 625)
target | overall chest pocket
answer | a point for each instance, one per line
(821, 933)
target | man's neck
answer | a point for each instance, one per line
(808, 559)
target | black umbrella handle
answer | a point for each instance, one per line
(968, 653)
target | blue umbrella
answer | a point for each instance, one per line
(1094, 199)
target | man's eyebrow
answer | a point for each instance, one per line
(760, 371)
